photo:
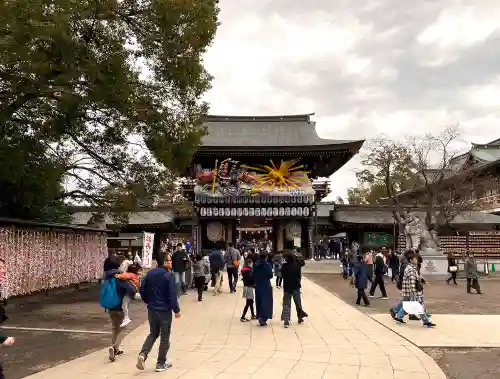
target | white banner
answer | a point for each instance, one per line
(147, 249)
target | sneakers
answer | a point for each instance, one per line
(384, 298)
(243, 319)
(125, 322)
(286, 325)
(429, 325)
(400, 320)
(160, 367)
(141, 361)
(113, 353)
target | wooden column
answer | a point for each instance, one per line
(309, 240)
(197, 235)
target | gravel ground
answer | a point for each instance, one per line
(445, 299)
(66, 309)
(439, 297)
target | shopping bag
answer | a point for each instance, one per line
(389, 272)
(413, 307)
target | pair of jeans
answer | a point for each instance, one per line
(362, 295)
(232, 277)
(117, 331)
(160, 325)
(180, 282)
(287, 305)
(378, 281)
(199, 282)
(279, 281)
(400, 313)
(473, 283)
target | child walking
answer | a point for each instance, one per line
(200, 269)
(132, 276)
(248, 289)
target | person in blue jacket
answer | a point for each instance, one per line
(116, 315)
(360, 280)
(159, 293)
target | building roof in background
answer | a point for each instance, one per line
(269, 131)
(357, 214)
(135, 218)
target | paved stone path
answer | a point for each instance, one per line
(475, 331)
(209, 341)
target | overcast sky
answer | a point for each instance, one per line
(364, 67)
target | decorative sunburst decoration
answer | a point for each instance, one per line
(283, 177)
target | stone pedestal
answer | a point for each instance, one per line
(434, 265)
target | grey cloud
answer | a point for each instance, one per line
(416, 87)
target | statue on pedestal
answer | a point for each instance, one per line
(418, 236)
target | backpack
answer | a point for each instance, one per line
(108, 296)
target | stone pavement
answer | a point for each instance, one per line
(209, 341)
(325, 266)
(461, 331)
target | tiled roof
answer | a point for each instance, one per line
(135, 218)
(386, 217)
(275, 131)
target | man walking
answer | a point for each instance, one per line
(233, 258)
(158, 292)
(180, 266)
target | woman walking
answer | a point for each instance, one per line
(262, 274)
(200, 270)
(248, 289)
(292, 275)
(452, 269)
(471, 272)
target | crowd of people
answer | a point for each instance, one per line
(368, 270)
(178, 270)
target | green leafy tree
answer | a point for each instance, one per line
(108, 92)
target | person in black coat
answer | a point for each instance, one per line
(379, 272)
(292, 276)
(360, 280)
(452, 269)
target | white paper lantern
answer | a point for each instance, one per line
(293, 211)
(281, 211)
(306, 211)
(203, 212)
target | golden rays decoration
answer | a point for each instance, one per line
(281, 177)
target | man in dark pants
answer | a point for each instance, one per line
(233, 257)
(158, 292)
(379, 272)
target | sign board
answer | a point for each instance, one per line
(377, 239)
(147, 249)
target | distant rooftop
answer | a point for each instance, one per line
(267, 131)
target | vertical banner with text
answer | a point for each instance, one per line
(147, 249)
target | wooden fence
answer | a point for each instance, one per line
(41, 257)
